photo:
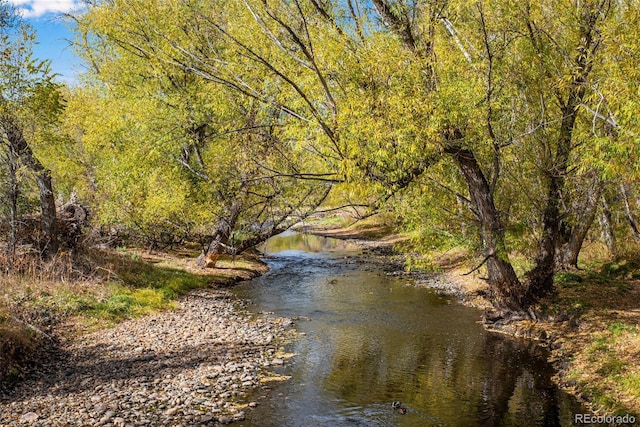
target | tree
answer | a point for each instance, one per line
(29, 104)
(492, 43)
(376, 94)
(224, 164)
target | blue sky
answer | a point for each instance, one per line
(53, 34)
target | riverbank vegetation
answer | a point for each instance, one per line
(600, 354)
(507, 129)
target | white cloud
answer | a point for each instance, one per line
(38, 8)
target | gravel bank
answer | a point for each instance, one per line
(187, 367)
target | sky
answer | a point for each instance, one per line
(53, 33)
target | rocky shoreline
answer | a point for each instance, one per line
(188, 367)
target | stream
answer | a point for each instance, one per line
(370, 339)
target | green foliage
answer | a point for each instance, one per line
(618, 328)
(167, 150)
(172, 283)
(620, 268)
(631, 382)
(567, 278)
(248, 113)
(30, 108)
(142, 288)
(125, 303)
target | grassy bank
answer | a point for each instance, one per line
(97, 290)
(591, 325)
(599, 350)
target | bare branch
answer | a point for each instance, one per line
(453, 33)
(399, 24)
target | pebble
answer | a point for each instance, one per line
(192, 365)
(29, 417)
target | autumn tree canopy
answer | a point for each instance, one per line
(508, 126)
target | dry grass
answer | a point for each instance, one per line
(34, 294)
(17, 343)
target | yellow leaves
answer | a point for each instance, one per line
(385, 119)
(172, 65)
(165, 198)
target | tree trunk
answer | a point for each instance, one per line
(48, 207)
(14, 194)
(607, 228)
(462, 208)
(567, 256)
(220, 236)
(49, 243)
(625, 190)
(507, 290)
(223, 229)
(540, 278)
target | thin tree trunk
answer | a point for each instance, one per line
(461, 205)
(48, 225)
(606, 225)
(567, 256)
(14, 194)
(625, 190)
(508, 291)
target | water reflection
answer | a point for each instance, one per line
(292, 242)
(373, 339)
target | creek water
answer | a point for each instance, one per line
(371, 339)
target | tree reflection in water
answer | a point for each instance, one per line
(374, 340)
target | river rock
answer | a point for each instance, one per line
(29, 417)
(170, 368)
(206, 418)
(225, 420)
